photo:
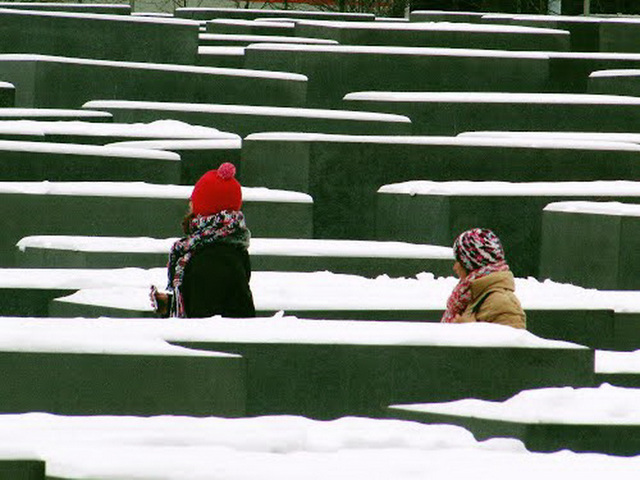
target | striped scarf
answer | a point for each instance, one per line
(461, 296)
(227, 227)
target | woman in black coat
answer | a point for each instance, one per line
(209, 268)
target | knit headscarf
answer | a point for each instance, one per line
(480, 252)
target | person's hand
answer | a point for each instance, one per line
(159, 302)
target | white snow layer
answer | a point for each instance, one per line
(275, 291)
(214, 144)
(595, 208)
(141, 189)
(435, 27)
(285, 448)
(259, 246)
(582, 136)
(382, 50)
(246, 110)
(604, 405)
(265, 38)
(458, 141)
(25, 334)
(231, 72)
(494, 97)
(160, 129)
(613, 188)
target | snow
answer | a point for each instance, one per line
(608, 362)
(161, 129)
(581, 136)
(613, 188)
(596, 208)
(231, 72)
(460, 141)
(382, 50)
(7, 85)
(247, 110)
(141, 189)
(283, 447)
(259, 246)
(86, 150)
(603, 405)
(222, 144)
(283, 330)
(494, 97)
(264, 38)
(230, 51)
(251, 23)
(434, 27)
(274, 291)
(615, 73)
(50, 112)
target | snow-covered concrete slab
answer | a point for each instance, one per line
(222, 57)
(615, 82)
(78, 372)
(93, 35)
(592, 244)
(33, 161)
(54, 114)
(326, 369)
(450, 113)
(133, 209)
(602, 419)
(389, 68)
(289, 447)
(243, 40)
(366, 258)
(247, 119)
(142, 81)
(250, 27)
(437, 34)
(623, 137)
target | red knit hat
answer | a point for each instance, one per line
(217, 190)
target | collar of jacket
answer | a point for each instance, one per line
(484, 286)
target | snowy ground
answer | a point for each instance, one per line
(283, 447)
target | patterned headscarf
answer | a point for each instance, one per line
(480, 252)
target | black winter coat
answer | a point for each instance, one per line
(216, 282)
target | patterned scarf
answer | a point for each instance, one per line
(461, 296)
(226, 227)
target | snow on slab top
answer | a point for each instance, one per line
(238, 37)
(141, 189)
(458, 141)
(220, 144)
(494, 97)
(300, 291)
(608, 362)
(157, 129)
(231, 72)
(582, 136)
(281, 329)
(254, 22)
(86, 150)
(434, 27)
(596, 208)
(97, 16)
(615, 188)
(248, 110)
(7, 85)
(21, 335)
(382, 50)
(213, 50)
(551, 18)
(615, 73)
(51, 112)
(603, 405)
(259, 246)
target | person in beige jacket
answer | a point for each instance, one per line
(486, 290)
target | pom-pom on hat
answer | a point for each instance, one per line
(217, 190)
(477, 248)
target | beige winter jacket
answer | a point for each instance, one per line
(493, 300)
